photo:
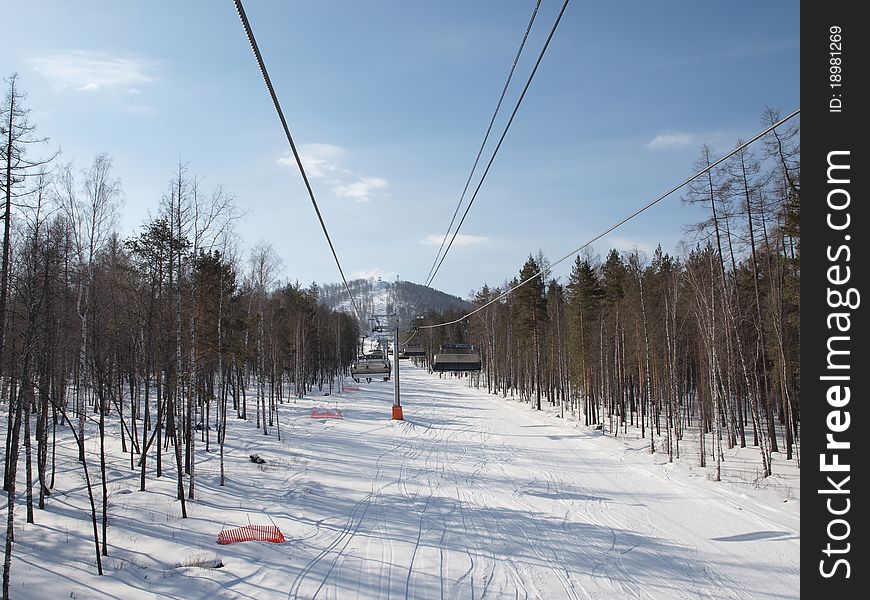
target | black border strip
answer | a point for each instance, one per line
(833, 120)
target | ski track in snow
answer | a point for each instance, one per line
(472, 497)
(454, 472)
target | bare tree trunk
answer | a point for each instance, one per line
(28, 463)
(765, 389)
(81, 443)
(12, 461)
(104, 483)
(714, 368)
(172, 431)
(647, 385)
(42, 429)
(4, 287)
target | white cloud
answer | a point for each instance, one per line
(360, 189)
(670, 141)
(461, 240)
(93, 71)
(627, 245)
(320, 160)
(374, 273)
(324, 161)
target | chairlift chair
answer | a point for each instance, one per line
(373, 365)
(413, 351)
(456, 358)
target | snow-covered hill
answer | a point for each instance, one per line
(376, 296)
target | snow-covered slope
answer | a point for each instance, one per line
(472, 496)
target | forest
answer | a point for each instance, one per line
(157, 339)
(708, 340)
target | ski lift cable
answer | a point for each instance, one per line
(501, 139)
(621, 222)
(485, 139)
(436, 265)
(261, 63)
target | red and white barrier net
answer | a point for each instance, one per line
(320, 413)
(251, 533)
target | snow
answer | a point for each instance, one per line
(472, 496)
(377, 303)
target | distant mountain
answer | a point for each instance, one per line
(406, 294)
(377, 297)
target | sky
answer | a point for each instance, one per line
(388, 102)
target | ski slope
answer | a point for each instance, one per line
(472, 496)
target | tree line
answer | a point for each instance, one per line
(161, 336)
(709, 340)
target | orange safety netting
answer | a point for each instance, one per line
(326, 414)
(249, 533)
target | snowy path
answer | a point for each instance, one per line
(472, 497)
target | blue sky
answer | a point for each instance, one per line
(389, 101)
